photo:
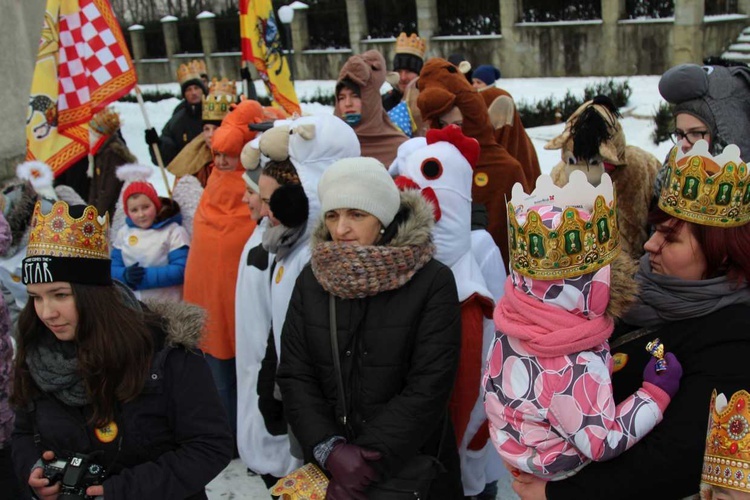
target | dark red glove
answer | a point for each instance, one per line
(348, 464)
(337, 492)
(668, 380)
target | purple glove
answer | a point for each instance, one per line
(348, 464)
(668, 380)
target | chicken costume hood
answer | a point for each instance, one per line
(441, 87)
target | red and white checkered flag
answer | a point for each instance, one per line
(94, 66)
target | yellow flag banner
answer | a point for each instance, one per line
(261, 45)
(83, 64)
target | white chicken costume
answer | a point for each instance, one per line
(442, 168)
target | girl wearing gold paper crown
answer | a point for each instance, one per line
(694, 298)
(104, 380)
(549, 396)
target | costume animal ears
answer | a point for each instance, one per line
(468, 146)
(274, 143)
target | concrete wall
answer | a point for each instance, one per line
(611, 46)
(20, 28)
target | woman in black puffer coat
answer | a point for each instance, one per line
(398, 333)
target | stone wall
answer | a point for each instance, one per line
(20, 28)
(609, 47)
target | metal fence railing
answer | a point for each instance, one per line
(561, 10)
(479, 17)
(386, 18)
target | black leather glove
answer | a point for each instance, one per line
(348, 464)
(134, 275)
(152, 137)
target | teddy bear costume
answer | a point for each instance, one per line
(510, 132)
(378, 136)
(441, 87)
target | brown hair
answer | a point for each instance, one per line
(282, 171)
(114, 348)
(725, 248)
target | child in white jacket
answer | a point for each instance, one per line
(150, 252)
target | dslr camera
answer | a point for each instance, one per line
(75, 474)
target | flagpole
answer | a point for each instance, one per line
(155, 147)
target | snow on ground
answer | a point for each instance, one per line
(637, 122)
(234, 483)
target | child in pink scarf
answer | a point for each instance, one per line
(547, 381)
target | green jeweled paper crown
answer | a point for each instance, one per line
(574, 246)
(705, 189)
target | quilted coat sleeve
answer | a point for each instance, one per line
(402, 427)
(307, 410)
(200, 428)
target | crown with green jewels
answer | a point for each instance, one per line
(705, 189)
(576, 245)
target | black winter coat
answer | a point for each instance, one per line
(175, 435)
(399, 354)
(186, 123)
(713, 351)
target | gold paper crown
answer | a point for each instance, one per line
(726, 461)
(305, 483)
(106, 121)
(705, 189)
(58, 234)
(411, 45)
(574, 246)
(221, 94)
(191, 71)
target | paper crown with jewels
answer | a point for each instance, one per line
(575, 245)
(221, 94)
(67, 244)
(705, 189)
(106, 121)
(726, 462)
(191, 71)
(410, 45)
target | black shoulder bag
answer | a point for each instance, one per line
(413, 480)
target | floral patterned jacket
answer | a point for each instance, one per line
(551, 416)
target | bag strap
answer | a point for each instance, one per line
(335, 353)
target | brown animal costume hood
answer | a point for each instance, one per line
(378, 136)
(595, 131)
(611, 138)
(442, 86)
(510, 132)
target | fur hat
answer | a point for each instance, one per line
(487, 73)
(361, 183)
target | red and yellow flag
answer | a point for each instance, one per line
(83, 64)
(261, 45)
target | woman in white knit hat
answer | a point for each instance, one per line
(373, 416)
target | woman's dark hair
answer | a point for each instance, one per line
(114, 346)
(725, 248)
(282, 171)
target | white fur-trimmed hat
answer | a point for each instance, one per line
(361, 183)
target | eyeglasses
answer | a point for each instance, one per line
(691, 136)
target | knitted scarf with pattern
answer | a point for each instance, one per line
(354, 271)
(53, 364)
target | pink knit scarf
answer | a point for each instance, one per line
(545, 330)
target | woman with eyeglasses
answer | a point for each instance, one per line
(711, 103)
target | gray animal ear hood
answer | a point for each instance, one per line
(715, 94)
